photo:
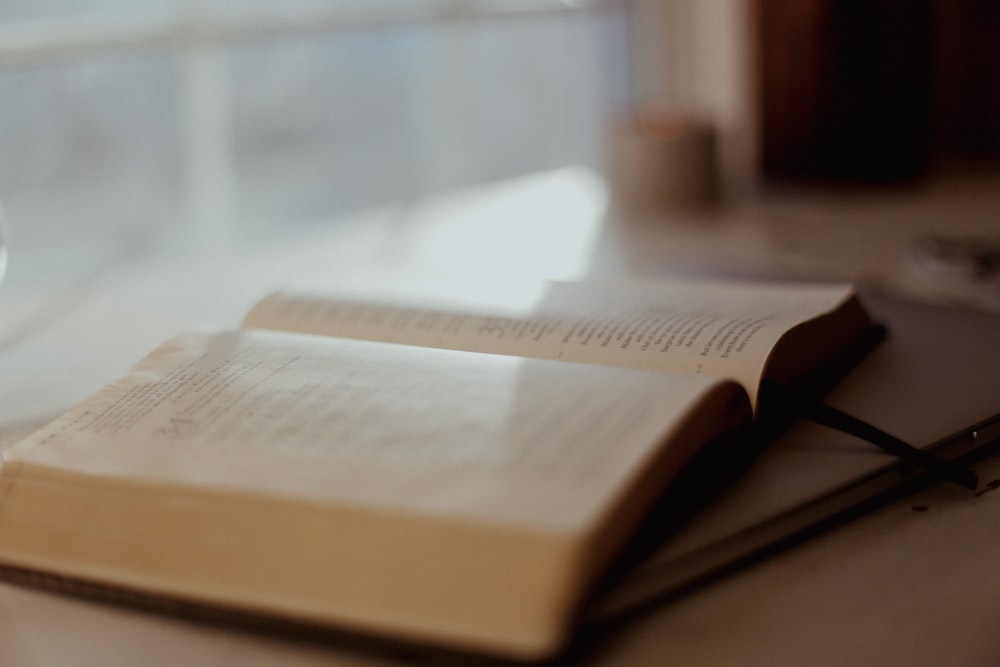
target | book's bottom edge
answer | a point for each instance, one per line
(257, 623)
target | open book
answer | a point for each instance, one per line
(447, 496)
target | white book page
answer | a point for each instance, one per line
(721, 330)
(354, 422)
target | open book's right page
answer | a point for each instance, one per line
(720, 329)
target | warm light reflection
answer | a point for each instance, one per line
(516, 236)
(495, 245)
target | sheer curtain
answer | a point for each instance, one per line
(131, 127)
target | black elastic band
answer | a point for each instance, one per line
(804, 405)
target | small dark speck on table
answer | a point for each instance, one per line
(995, 484)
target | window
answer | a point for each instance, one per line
(130, 127)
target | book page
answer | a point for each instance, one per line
(403, 428)
(722, 330)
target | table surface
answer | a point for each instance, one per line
(914, 583)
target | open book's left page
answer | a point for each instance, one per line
(413, 491)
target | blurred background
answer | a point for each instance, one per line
(130, 128)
